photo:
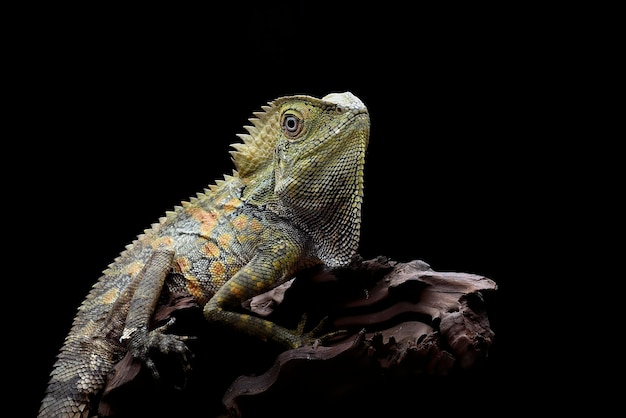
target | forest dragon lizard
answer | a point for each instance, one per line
(293, 201)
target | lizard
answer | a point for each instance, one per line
(292, 201)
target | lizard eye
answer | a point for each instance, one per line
(292, 126)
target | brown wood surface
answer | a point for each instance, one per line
(402, 326)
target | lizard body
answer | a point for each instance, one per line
(292, 201)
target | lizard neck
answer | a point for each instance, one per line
(335, 231)
(332, 217)
(332, 221)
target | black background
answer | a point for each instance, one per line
(124, 113)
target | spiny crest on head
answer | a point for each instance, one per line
(257, 149)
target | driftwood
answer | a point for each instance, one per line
(401, 332)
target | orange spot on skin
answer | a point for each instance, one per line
(134, 268)
(242, 238)
(195, 288)
(211, 249)
(218, 273)
(237, 290)
(256, 226)
(182, 265)
(110, 296)
(231, 205)
(163, 242)
(240, 222)
(207, 219)
(224, 240)
(217, 268)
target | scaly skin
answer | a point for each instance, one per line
(293, 201)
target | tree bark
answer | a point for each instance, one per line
(402, 329)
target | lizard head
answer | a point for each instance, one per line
(319, 162)
(304, 157)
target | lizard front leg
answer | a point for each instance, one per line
(142, 305)
(269, 268)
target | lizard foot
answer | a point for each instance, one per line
(316, 336)
(141, 341)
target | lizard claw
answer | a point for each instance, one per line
(142, 341)
(316, 337)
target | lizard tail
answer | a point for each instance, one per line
(77, 377)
